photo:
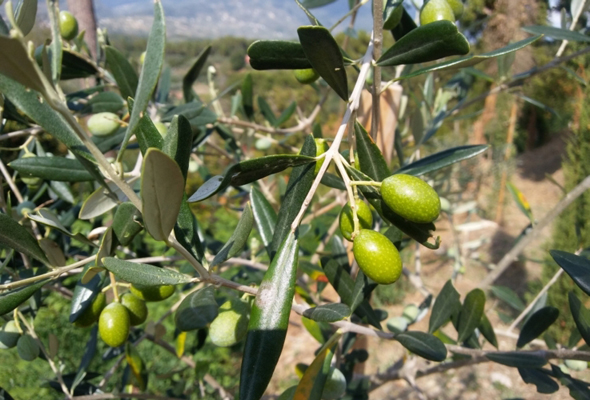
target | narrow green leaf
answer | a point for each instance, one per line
(540, 379)
(178, 143)
(126, 223)
(162, 188)
(371, 159)
(264, 215)
(446, 304)
(269, 320)
(314, 329)
(471, 60)
(517, 359)
(277, 54)
(100, 202)
(193, 73)
(471, 313)
(89, 352)
(509, 296)
(423, 344)
(74, 66)
(150, 72)
(300, 181)
(52, 168)
(333, 181)
(238, 239)
(17, 66)
(328, 312)
(248, 96)
(84, 295)
(143, 274)
(56, 45)
(539, 104)
(249, 171)
(362, 290)
(486, 329)
(286, 114)
(537, 324)
(146, 133)
(15, 236)
(314, 379)
(104, 102)
(316, 3)
(25, 15)
(581, 316)
(136, 365)
(14, 298)
(197, 310)
(442, 159)
(122, 71)
(578, 389)
(325, 56)
(427, 43)
(405, 26)
(556, 33)
(577, 267)
(266, 111)
(186, 230)
(62, 190)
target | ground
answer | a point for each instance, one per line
(487, 380)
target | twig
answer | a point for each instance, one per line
(10, 182)
(106, 396)
(23, 132)
(51, 274)
(377, 44)
(526, 240)
(580, 10)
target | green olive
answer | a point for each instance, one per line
(576, 365)
(411, 312)
(136, 308)
(457, 7)
(335, 385)
(31, 181)
(28, 348)
(90, 315)
(161, 127)
(9, 335)
(377, 256)
(397, 324)
(306, 76)
(25, 208)
(68, 25)
(142, 58)
(113, 324)
(231, 325)
(364, 214)
(436, 10)
(153, 293)
(103, 124)
(263, 144)
(411, 198)
(321, 146)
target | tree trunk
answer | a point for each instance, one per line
(83, 10)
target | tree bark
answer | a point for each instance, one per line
(83, 10)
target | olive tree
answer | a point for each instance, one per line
(125, 170)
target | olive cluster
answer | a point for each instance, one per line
(406, 195)
(11, 336)
(438, 10)
(116, 319)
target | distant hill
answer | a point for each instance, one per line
(276, 19)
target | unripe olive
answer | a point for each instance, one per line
(9, 335)
(68, 25)
(321, 146)
(576, 365)
(25, 207)
(436, 10)
(28, 348)
(397, 324)
(29, 180)
(411, 312)
(142, 58)
(457, 7)
(136, 308)
(411, 198)
(103, 124)
(161, 127)
(90, 315)
(153, 293)
(364, 214)
(231, 325)
(263, 144)
(335, 385)
(306, 76)
(113, 324)
(377, 256)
